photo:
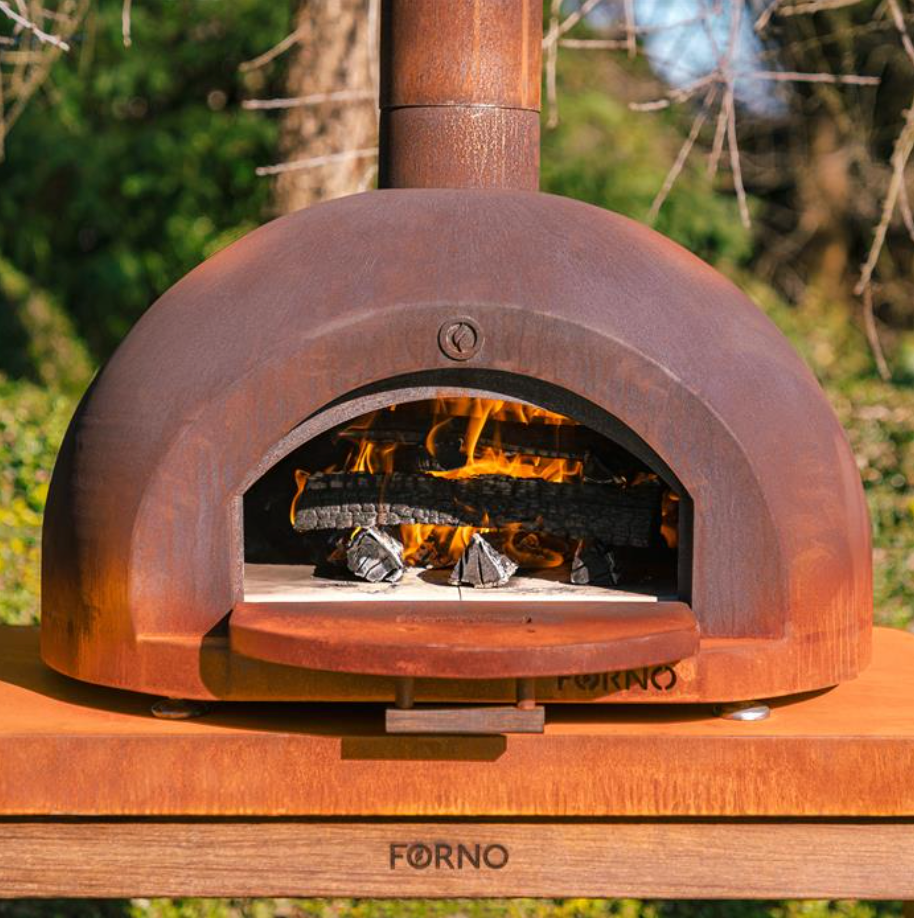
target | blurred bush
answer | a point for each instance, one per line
(138, 163)
(32, 423)
(602, 153)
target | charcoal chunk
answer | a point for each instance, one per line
(596, 564)
(482, 566)
(375, 556)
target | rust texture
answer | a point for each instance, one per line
(237, 364)
(460, 94)
(74, 749)
(485, 640)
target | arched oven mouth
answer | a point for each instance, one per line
(438, 531)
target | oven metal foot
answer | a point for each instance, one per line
(179, 709)
(743, 710)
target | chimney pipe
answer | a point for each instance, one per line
(460, 93)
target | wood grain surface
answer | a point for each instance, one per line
(71, 749)
(470, 720)
(590, 859)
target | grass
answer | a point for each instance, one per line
(444, 908)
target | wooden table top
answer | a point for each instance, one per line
(69, 749)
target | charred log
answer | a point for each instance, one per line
(554, 440)
(608, 512)
(550, 441)
(375, 556)
(482, 566)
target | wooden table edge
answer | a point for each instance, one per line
(443, 858)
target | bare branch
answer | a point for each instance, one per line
(368, 178)
(872, 334)
(316, 161)
(583, 10)
(682, 156)
(2, 122)
(766, 14)
(606, 44)
(374, 40)
(552, 54)
(125, 23)
(274, 52)
(904, 206)
(814, 6)
(343, 95)
(720, 132)
(791, 76)
(630, 40)
(30, 26)
(736, 167)
(28, 75)
(898, 20)
(901, 153)
(676, 95)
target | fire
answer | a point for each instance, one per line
(301, 479)
(669, 519)
(484, 429)
(492, 459)
(435, 546)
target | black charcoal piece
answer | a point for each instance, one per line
(482, 566)
(595, 564)
(375, 556)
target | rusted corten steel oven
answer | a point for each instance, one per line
(533, 395)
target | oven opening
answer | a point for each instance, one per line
(463, 498)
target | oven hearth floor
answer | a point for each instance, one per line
(298, 583)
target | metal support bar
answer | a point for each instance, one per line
(526, 694)
(404, 689)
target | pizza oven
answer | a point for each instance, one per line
(456, 440)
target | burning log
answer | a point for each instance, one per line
(595, 564)
(611, 513)
(482, 566)
(375, 556)
(546, 440)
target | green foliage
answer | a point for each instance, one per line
(37, 340)
(43, 368)
(141, 163)
(879, 420)
(605, 154)
(32, 424)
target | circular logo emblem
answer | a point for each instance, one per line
(460, 338)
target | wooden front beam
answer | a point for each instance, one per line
(655, 859)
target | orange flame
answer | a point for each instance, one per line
(469, 417)
(493, 460)
(669, 519)
(301, 479)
